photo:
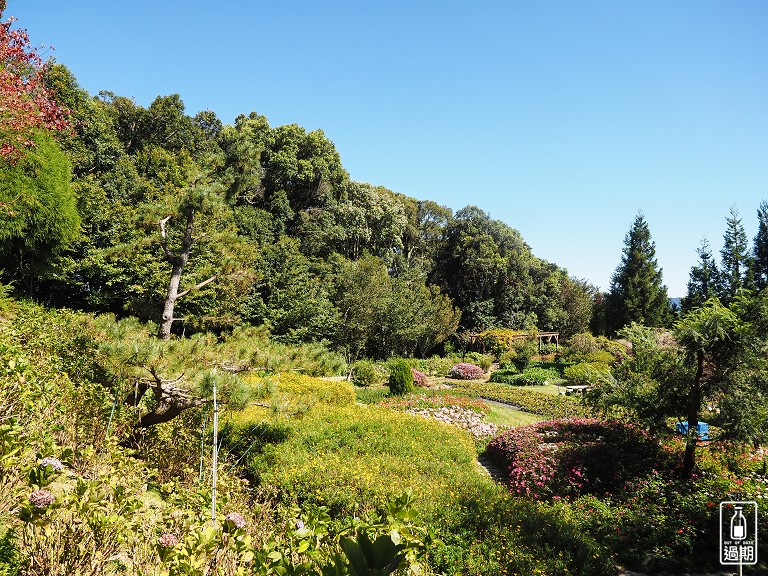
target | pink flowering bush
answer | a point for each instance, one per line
(466, 371)
(419, 378)
(571, 458)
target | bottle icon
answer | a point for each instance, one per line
(738, 525)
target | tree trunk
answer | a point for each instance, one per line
(178, 262)
(694, 404)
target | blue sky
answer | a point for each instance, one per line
(561, 118)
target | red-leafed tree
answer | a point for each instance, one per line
(26, 105)
(38, 210)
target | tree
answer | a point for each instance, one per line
(27, 105)
(706, 333)
(734, 257)
(704, 280)
(38, 211)
(636, 293)
(760, 250)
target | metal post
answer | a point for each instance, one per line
(215, 450)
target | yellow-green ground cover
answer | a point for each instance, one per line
(351, 458)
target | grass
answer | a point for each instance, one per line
(510, 417)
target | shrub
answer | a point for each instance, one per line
(519, 355)
(466, 371)
(435, 366)
(587, 372)
(571, 458)
(534, 377)
(504, 375)
(419, 378)
(364, 373)
(482, 360)
(400, 378)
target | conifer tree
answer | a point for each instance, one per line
(636, 293)
(704, 279)
(734, 257)
(760, 250)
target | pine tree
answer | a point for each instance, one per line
(704, 280)
(734, 257)
(636, 293)
(760, 251)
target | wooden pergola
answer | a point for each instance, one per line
(542, 337)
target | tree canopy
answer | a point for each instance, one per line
(636, 293)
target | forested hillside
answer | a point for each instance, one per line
(201, 225)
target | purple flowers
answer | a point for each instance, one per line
(54, 463)
(466, 371)
(41, 499)
(168, 540)
(235, 520)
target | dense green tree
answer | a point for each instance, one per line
(760, 250)
(38, 212)
(734, 257)
(576, 301)
(384, 316)
(291, 294)
(636, 293)
(704, 280)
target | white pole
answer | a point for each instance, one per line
(215, 450)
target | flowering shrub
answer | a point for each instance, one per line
(419, 378)
(466, 371)
(570, 458)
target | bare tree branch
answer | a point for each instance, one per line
(196, 286)
(164, 240)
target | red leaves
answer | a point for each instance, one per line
(26, 104)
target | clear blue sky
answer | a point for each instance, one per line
(561, 118)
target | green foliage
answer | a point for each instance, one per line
(400, 378)
(9, 552)
(38, 214)
(637, 293)
(519, 354)
(504, 375)
(534, 376)
(587, 373)
(364, 373)
(435, 365)
(734, 257)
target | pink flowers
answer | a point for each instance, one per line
(419, 378)
(466, 371)
(570, 458)
(168, 540)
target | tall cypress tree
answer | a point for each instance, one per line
(760, 251)
(704, 280)
(734, 257)
(636, 293)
